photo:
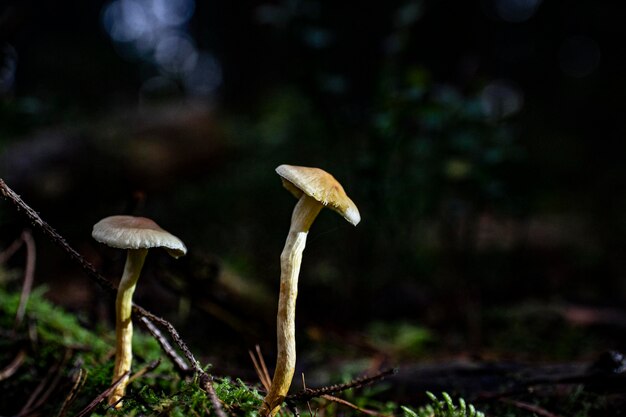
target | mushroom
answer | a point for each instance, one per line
(315, 189)
(137, 235)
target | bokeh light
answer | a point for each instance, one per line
(516, 11)
(501, 98)
(8, 66)
(156, 31)
(173, 13)
(174, 51)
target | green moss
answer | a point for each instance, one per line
(54, 326)
(443, 408)
(62, 346)
(238, 397)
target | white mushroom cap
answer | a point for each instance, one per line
(130, 232)
(321, 186)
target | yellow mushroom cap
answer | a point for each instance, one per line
(130, 232)
(321, 186)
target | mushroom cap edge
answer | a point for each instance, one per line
(132, 232)
(322, 187)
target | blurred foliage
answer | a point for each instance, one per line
(19, 117)
(436, 158)
(438, 143)
(537, 332)
(399, 339)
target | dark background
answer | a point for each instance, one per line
(483, 143)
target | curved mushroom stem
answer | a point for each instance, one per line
(123, 323)
(304, 214)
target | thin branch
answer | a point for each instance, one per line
(266, 373)
(353, 406)
(93, 404)
(79, 377)
(29, 275)
(258, 371)
(529, 407)
(334, 399)
(308, 403)
(38, 222)
(51, 380)
(293, 408)
(15, 364)
(182, 366)
(309, 394)
(261, 369)
(10, 251)
(142, 312)
(148, 368)
(206, 382)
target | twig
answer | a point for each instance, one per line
(529, 407)
(38, 222)
(258, 371)
(308, 393)
(80, 377)
(308, 403)
(10, 251)
(334, 399)
(206, 382)
(264, 376)
(266, 373)
(293, 408)
(29, 271)
(148, 368)
(141, 312)
(87, 410)
(51, 380)
(15, 364)
(29, 275)
(353, 406)
(259, 366)
(183, 368)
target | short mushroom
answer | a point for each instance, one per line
(315, 189)
(137, 235)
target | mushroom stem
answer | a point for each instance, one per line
(123, 322)
(304, 214)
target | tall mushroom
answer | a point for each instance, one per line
(137, 235)
(314, 189)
